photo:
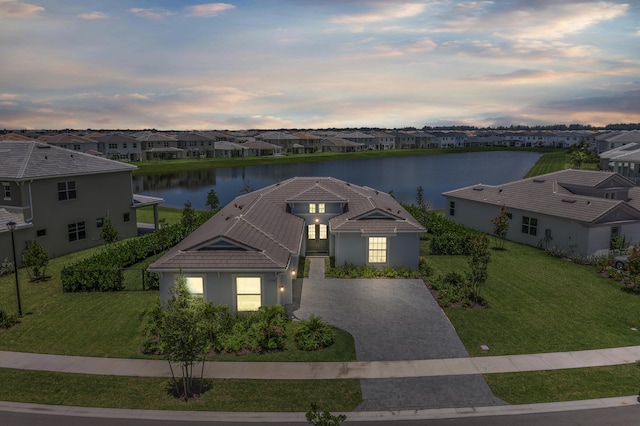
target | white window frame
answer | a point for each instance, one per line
(321, 208)
(312, 208)
(245, 291)
(195, 285)
(311, 232)
(322, 231)
(6, 187)
(377, 249)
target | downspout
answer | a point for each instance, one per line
(30, 203)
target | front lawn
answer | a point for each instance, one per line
(150, 393)
(538, 303)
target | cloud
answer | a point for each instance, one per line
(381, 11)
(16, 8)
(394, 50)
(93, 15)
(529, 20)
(625, 102)
(210, 9)
(154, 13)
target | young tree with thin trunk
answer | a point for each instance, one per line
(212, 200)
(108, 233)
(36, 259)
(478, 264)
(183, 337)
(501, 227)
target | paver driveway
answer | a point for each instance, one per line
(394, 319)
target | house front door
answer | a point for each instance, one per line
(317, 241)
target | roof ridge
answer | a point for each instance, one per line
(23, 169)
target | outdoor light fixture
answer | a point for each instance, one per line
(317, 220)
(12, 227)
(293, 272)
(281, 288)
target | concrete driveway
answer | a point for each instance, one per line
(394, 319)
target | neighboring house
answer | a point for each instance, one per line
(340, 145)
(196, 145)
(309, 141)
(260, 148)
(72, 142)
(612, 140)
(624, 160)
(61, 198)
(287, 142)
(156, 146)
(404, 140)
(382, 141)
(248, 253)
(359, 137)
(577, 211)
(118, 146)
(226, 149)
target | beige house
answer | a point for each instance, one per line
(61, 198)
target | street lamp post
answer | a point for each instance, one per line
(12, 227)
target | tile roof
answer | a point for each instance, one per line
(268, 236)
(35, 160)
(556, 194)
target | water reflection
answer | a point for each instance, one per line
(401, 175)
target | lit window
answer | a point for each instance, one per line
(312, 208)
(195, 285)
(77, 231)
(377, 249)
(322, 232)
(529, 225)
(248, 293)
(321, 208)
(67, 190)
(311, 232)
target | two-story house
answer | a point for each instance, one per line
(61, 198)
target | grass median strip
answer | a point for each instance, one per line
(40, 387)
(566, 385)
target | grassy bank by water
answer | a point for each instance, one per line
(173, 166)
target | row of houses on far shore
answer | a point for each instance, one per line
(134, 146)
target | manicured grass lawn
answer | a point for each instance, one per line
(566, 385)
(539, 303)
(172, 166)
(170, 215)
(82, 390)
(553, 162)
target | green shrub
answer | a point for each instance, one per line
(7, 320)
(555, 252)
(452, 288)
(313, 334)
(101, 271)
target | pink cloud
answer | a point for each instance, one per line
(209, 9)
(15, 8)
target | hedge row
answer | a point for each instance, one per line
(449, 238)
(101, 272)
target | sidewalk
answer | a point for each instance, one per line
(328, 370)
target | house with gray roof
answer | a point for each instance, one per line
(72, 142)
(61, 198)
(118, 146)
(248, 253)
(577, 211)
(624, 160)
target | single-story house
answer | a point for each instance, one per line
(248, 253)
(580, 212)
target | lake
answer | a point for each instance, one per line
(401, 175)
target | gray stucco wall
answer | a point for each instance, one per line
(97, 196)
(572, 237)
(220, 287)
(402, 249)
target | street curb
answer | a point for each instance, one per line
(355, 416)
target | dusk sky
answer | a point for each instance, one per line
(270, 64)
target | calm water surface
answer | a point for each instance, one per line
(402, 175)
